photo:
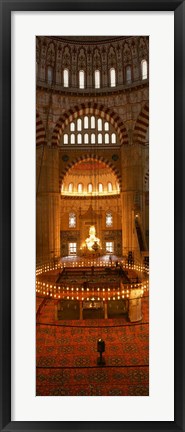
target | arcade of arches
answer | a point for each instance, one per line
(92, 215)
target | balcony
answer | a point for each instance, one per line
(89, 89)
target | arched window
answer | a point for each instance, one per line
(99, 124)
(72, 220)
(113, 138)
(79, 139)
(106, 126)
(92, 122)
(106, 138)
(109, 247)
(97, 78)
(144, 69)
(89, 188)
(50, 75)
(86, 122)
(108, 219)
(86, 139)
(66, 78)
(100, 187)
(65, 138)
(112, 77)
(80, 187)
(81, 79)
(128, 74)
(109, 187)
(72, 127)
(92, 138)
(72, 138)
(79, 124)
(99, 138)
(99, 132)
(70, 187)
(72, 248)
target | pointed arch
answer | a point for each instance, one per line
(141, 126)
(95, 157)
(66, 57)
(146, 180)
(91, 108)
(51, 54)
(40, 131)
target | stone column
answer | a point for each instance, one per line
(132, 196)
(135, 311)
(81, 310)
(47, 204)
(57, 306)
(105, 310)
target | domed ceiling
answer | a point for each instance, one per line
(89, 166)
(90, 172)
(89, 39)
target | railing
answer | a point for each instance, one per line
(76, 291)
(90, 194)
(89, 88)
(72, 292)
(88, 262)
(47, 266)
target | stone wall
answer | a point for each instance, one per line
(54, 55)
(125, 107)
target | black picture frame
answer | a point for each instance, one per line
(6, 7)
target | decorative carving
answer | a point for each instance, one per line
(37, 50)
(115, 157)
(142, 49)
(112, 57)
(81, 59)
(66, 58)
(89, 57)
(97, 59)
(127, 56)
(65, 158)
(50, 60)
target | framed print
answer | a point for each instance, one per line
(92, 185)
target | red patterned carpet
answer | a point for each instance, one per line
(67, 356)
(93, 382)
